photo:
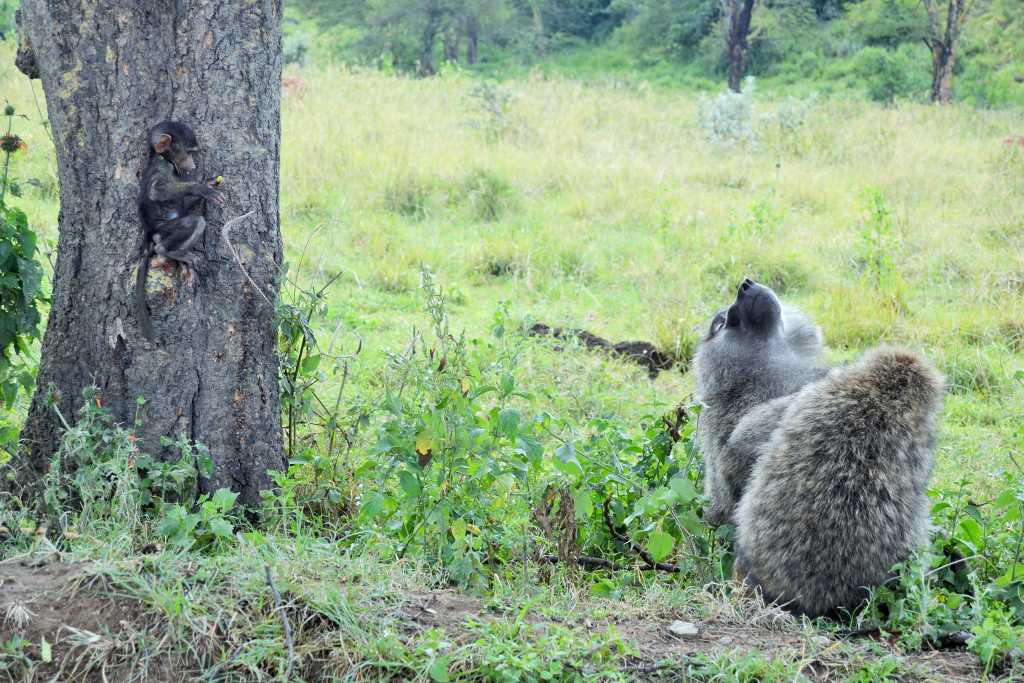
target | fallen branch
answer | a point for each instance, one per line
(225, 233)
(640, 352)
(284, 619)
(585, 561)
(621, 536)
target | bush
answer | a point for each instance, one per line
(891, 74)
(408, 194)
(488, 195)
(728, 118)
(885, 23)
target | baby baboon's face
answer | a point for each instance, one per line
(756, 311)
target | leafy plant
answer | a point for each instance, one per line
(206, 524)
(750, 667)
(879, 243)
(20, 279)
(491, 102)
(316, 427)
(100, 481)
(765, 219)
(454, 455)
(728, 118)
(888, 74)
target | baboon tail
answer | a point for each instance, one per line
(141, 308)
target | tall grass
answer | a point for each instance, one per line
(608, 209)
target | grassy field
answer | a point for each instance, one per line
(607, 209)
(599, 207)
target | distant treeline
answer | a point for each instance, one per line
(889, 49)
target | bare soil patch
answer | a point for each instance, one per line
(655, 642)
(94, 633)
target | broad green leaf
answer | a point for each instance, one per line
(409, 484)
(372, 506)
(660, 544)
(683, 488)
(602, 588)
(459, 529)
(439, 670)
(508, 420)
(972, 532)
(46, 651)
(310, 363)
(224, 499)
(221, 527)
(1013, 575)
(565, 461)
(584, 503)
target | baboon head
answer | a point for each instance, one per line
(175, 142)
(756, 312)
(755, 346)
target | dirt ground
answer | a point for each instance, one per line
(93, 634)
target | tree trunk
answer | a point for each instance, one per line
(539, 37)
(428, 39)
(110, 70)
(943, 42)
(472, 38)
(451, 45)
(740, 12)
(943, 60)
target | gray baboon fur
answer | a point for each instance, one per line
(837, 493)
(755, 351)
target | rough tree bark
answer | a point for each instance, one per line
(472, 38)
(540, 38)
(110, 70)
(740, 13)
(451, 45)
(428, 38)
(943, 43)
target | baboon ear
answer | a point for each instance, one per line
(160, 142)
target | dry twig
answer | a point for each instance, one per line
(225, 233)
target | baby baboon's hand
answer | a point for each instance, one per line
(214, 195)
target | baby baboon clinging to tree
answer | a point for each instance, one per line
(755, 351)
(170, 204)
(837, 495)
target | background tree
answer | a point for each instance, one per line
(943, 41)
(110, 70)
(739, 13)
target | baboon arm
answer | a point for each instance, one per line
(736, 461)
(720, 509)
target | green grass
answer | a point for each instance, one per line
(604, 208)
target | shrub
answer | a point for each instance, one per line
(879, 245)
(728, 118)
(890, 74)
(408, 194)
(488, 195)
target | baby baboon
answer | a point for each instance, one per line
(837, 494)
(171, 204)
(755, 351)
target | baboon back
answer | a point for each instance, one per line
(837, 496)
